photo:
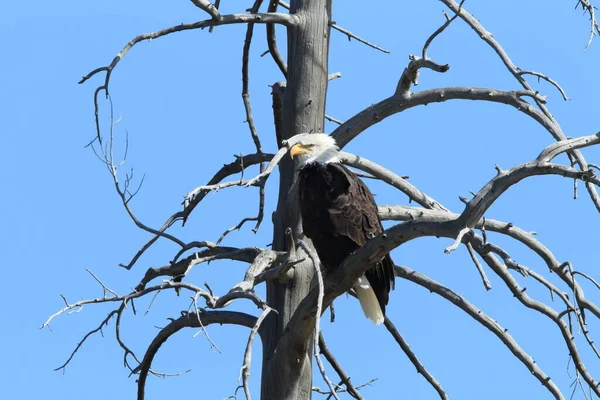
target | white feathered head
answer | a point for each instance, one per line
(314, 148)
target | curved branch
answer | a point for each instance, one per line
(182, 267)
(439, 31)
(563, 146)
(188, 320)
(397, 103)
(257, 18)
(589, 8)
(410, 74)
(488, 38)
(476, 207)
(248, 353)
(551, 81)
(272, 18)
(390, 178)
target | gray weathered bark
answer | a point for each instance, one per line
(287, 373)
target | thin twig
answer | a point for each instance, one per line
(353, 36)
(484, 278)
(547, 79)
(334, 120)
(439, 30)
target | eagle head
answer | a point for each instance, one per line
(314, 148)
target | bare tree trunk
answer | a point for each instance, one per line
(287, 373)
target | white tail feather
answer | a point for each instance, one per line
(368, 300)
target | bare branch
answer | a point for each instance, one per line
(257, 18)
(555, 129)
(90, 333)
(410, 76)
(353, 36)
(190, 204)
(483, 319)
(104, 287)
(272, 41)
(484, 278)
(547, 79)
(396, 104)
(340, 280)
(402, 213)
(267, 265)
(242, 222)
(334, 120)
(339, 389)
(484, 250)
(213, 252)
(187, 320)
(438, 31)
(476, 207)
(239, 165)
(128, 297)
(542, 308)
(248, 352)
(567, 145)
(350, 35)
(274, 161)
(594, 26)
(345, 379)
(458, 240)
(208, 7)
(106, 155)
(413, 358)
(217, 4)
(251, 125)
(390, 178)
(245, 80)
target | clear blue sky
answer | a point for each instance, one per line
(179, 99)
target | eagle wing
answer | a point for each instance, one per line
(353, 213)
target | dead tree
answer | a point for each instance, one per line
(287, 322)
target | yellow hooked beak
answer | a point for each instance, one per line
(297, 149)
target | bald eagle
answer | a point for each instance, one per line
(339, 215)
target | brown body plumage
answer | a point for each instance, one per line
(339, 215)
